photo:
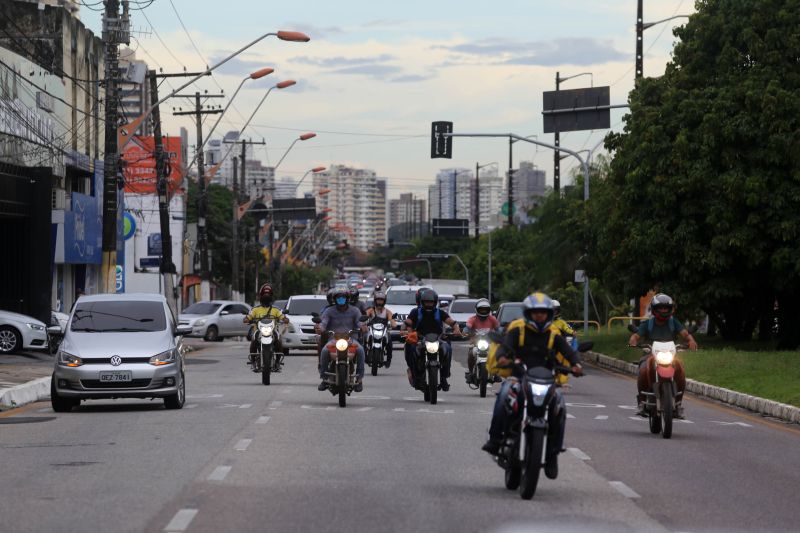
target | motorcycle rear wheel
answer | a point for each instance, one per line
(513, 475)
(341, 371)
(532, 464)
(433, 384)
(667, 411)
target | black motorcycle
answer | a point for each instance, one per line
(377, 344)
(429, 354)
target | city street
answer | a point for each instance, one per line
(244, 457)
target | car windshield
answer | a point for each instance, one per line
(510, 312)
(127, 315)
(401, 298)
(201, 308)
(462, 306)
(306, 306)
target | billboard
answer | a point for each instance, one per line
(450, 227)
(294, 208)
(577, 109)
(140, 164)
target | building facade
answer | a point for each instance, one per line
(407, 216)
(356, 204)
(529, 188)
(134, 90)
(285, 188)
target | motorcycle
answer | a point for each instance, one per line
(428, 362)
(479, 377)
(266, 360)
(377, 343)
(531, 440)
(341, 375)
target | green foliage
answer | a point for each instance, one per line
(702, 199)
(299, 279)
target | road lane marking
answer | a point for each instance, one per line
(624, 489)
(324, 408)
(742, 424)
(246, 406)
(274, 405)
(287, 391)
(362, 397)
(364, 409)
(579, 454)
(570, 416)
(242, 445)
(445, 412)
(419, 399)
(628, 407)
(181, 520)
(638, 418)
(590, 405)
(601, 417)
(262, 420)
(682, 421)
(219, 473)
(204, 396)
(190, 406)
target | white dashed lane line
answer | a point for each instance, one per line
(262, 420)
(624, 489)
(242, 445)
(181, 520)
(219, 473)
(579, 454)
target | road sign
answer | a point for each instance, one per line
(580, 276)
(441, 146)
(450, 227)
(577, 109)
(394, 263)
(295, 208)
(504, 209)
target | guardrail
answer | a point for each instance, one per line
(594, 323)
(613, 318)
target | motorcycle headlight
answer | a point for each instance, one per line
(67, 359)
(36, 327)
(664, 358)
(538, 389)
(266, 328)
(483, 345)
(164, 358)
(200, 322)
(432, 347)
(341, 345)
(378, 333)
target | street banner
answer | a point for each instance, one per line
(140, 165)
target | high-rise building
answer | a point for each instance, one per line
(491, 196)
(529, 187)
(223, 150)
(453, 194)
(134, 90)
(407, 215)
(357, 203)
(259, 180)
(285, 188)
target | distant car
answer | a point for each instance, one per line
(395, 282)
(280, 304)
(120, 346)
(59, 319)
(400, 300)
(365, 293)
(21, 332)
(461, 309)
(444, 301)
(215, 320)
(508, 312)
(300, 335)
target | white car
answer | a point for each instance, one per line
(400, 300)
(461, 309)
(300, 334)
(216, 319)
(21, 332)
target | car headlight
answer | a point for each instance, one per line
(36, 327)
(266, 328)
(664, 358)
(341, 345)
(432, 347)
(67, 359)
(164, 358)
(200, 322)
(291, 328)
(483, 345)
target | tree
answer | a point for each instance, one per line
(704, 193)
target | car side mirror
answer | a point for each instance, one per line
(223, 313)
(632, 328)
(54, 330)
(585, 346)
(316, 320)
(182, 330)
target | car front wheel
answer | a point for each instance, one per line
(10, 340)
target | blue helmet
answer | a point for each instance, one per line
(538, 301)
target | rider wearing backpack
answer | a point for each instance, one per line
(661, 327)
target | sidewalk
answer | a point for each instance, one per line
(25, 377)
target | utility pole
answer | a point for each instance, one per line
(239, 192)
(455, 194)
(510, 181)
(557, 143)
(202, 236)
(477, 198)
(116, 30)
(166, 267)
(639, 41)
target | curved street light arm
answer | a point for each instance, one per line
(646, 25)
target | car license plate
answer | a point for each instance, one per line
(116, 376)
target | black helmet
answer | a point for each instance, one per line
(353, 296)
(429, 295)
(329, 295)
(417, 296)
(662, 306)
(340, 293)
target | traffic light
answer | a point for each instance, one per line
(441, 145)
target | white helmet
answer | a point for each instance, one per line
(483, 308)
(556, 308)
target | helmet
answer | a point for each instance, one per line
(329, 296)
(556, 308)
(341, 295)
(538, 301)
(353, 296)
(379, 295)
(483, 308)
(265, 294)
(417, 296)
(428, 295)
(662, 306)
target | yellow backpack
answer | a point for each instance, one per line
(491, 361)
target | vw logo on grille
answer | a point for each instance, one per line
(116, 360)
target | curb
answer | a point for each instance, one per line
(25, 393)
(762, 406)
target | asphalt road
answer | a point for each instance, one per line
(244, 457)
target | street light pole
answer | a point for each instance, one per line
(641, 25)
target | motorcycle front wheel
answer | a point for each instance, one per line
(532, 464)
(483, 379)
(341, 371)
(666, 410)
(433, 383)
(266, 365)
(376, 359)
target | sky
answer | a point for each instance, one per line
(376, 73)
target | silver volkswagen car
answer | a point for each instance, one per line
(120, 346)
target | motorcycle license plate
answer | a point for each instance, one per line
(116, 376)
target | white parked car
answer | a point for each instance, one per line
(461, 309)
(21, 332)
(216, 319)
(300, 334)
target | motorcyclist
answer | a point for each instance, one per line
(342, 318)
(534, 342)
(662, 326)
(482, 319)
(380, 310)
(356, 302)
(566, 331)
(425, 319)
(266, 296)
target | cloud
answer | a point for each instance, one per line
(384, 23)
(567, 51)
(339, 61)
(410, 78)
(315, 32)
(376, 71)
